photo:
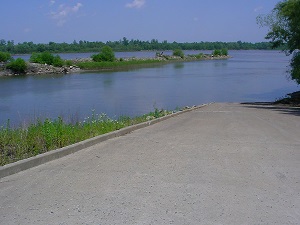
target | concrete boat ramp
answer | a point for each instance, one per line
(218, 164)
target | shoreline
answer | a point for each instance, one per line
(44, 69)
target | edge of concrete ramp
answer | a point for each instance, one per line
(34, 161)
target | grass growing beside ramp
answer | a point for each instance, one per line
(47, 135)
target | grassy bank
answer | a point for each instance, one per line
(140, 62)
(115, 65)
(43, 136)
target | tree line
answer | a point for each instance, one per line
(125, 45)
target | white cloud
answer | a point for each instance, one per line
(52, 2)
(76, 7)
(63, 12)
(136, 4)
(259, 8)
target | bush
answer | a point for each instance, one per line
(46, 58)
(224, 51)
(220, 52)
(57, 61)
(69, 63)
(216, 52)
(5, 57)
(106, 55)
(200, 56)
(42, 58)
(178, 52)
(17, 66)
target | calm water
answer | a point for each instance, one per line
(248, 76)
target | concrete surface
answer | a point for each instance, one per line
(25, 164)
(220, 164)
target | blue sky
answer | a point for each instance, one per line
(42, 21)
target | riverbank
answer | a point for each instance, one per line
(87, 64)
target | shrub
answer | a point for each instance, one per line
(46, 58)
(219, 52)
(17, 66)
(200, 55)
(57, 61)
(216, 52)
(42, 58)
(178, 52)
(69, 63)
(224, 51)
(5, 57)
(106, 55)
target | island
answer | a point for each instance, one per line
(47, 63)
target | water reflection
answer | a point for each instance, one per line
(108, 81)
(220, 63)
(178, 65)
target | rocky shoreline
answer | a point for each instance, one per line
(44, 69)
(39, 69)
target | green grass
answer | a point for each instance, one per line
(138, 62)
(116, 64)
(47, 135)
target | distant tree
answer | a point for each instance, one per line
(106, 55)
(10, 46)
(284, 31)
(124, 45)
(125, 41)
(178, 52)
(2, 42)
(17, 66)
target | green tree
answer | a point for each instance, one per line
(284, 30)
(106, 55)
(17, 66)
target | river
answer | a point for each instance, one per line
(247, 76)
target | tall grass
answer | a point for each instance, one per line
(46, 135)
